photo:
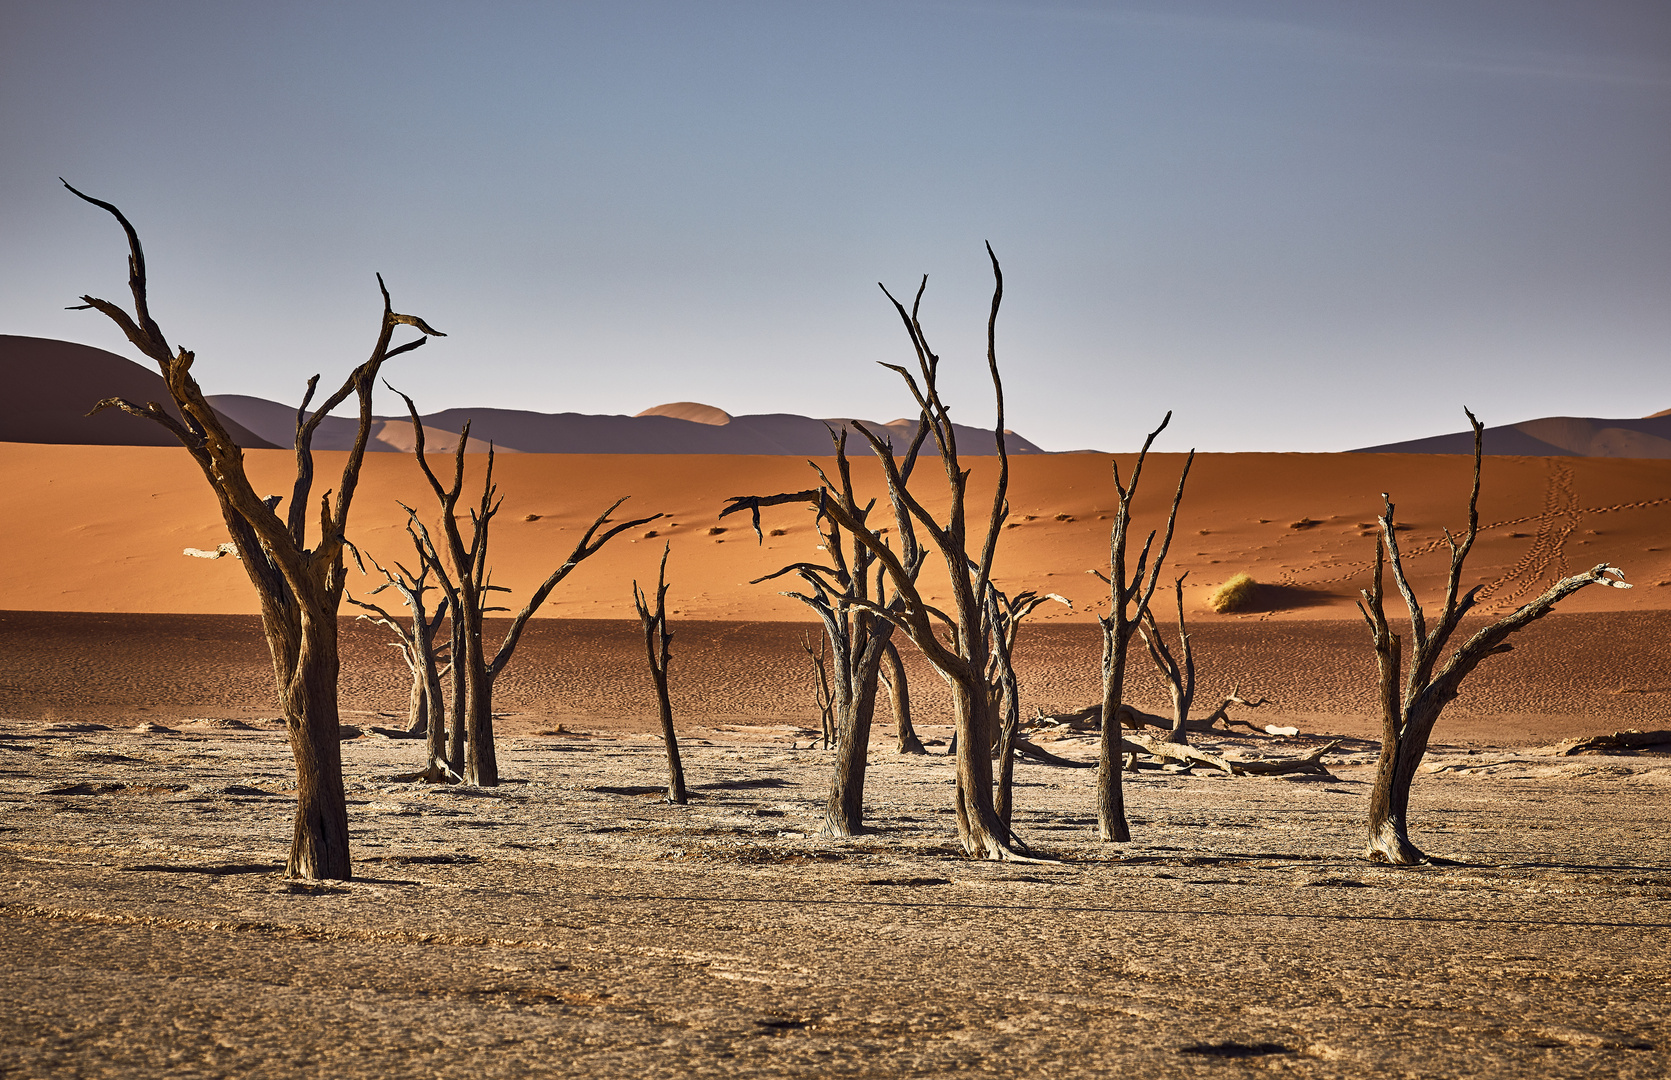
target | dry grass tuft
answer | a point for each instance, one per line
(1234, 595)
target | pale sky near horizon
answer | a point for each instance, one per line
(1301, 226)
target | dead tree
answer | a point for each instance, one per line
(1004, 616)
(841, 593)
(657, 638)
(1407, 720)
(960, 656)
(899, 697)
(1118, 625)
(1178, 672)
(417, 644)
(821, 695)
(1222, 712)
(299, 588)
(462, 570)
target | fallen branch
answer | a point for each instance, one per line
(1039, 754)
(1310, 763)
(1618, 742)
(1179, 752)
(435, 773)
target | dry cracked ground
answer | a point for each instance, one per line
(569, 923)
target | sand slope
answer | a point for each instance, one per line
(102, 528)
(1554, 436)
(51, 385)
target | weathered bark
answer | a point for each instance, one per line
(1308, 763)
(899, 697)
(1407, 719)
(1003, 798)
(844, 810)
(1167, 750)
(657, 640)
(1118, 626)
(463, 574)
(299, 588)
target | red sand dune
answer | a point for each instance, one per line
(52, 385)
(102, 528)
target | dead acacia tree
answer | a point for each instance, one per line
(1222, 712)
(841, 593)
(821, 695)
(954, 641)
(899, 697)
(462, 570)
(1178, 672)
(299, 588)
(1407, 718)
(657, 639)
(1128, 601)
(416, 641)
(1003, 618)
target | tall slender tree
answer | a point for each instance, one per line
(299, 587)
(1128, 601)
(954, 641)
(658, 640)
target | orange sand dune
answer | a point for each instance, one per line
(102, 528)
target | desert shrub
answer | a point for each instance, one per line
(1234, 595)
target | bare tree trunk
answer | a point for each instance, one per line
(481, 762)
(657, 641)
(844, 812)
(455, 736)
(1004, 799)
(979, 828)
(319, 843)
(1111, 796)
(417, 714)
(899, 697)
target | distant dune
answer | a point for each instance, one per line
(51, 385)
(55, 382)
(98, 528)
(1553, 436)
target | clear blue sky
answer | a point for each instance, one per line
(1301, 226)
